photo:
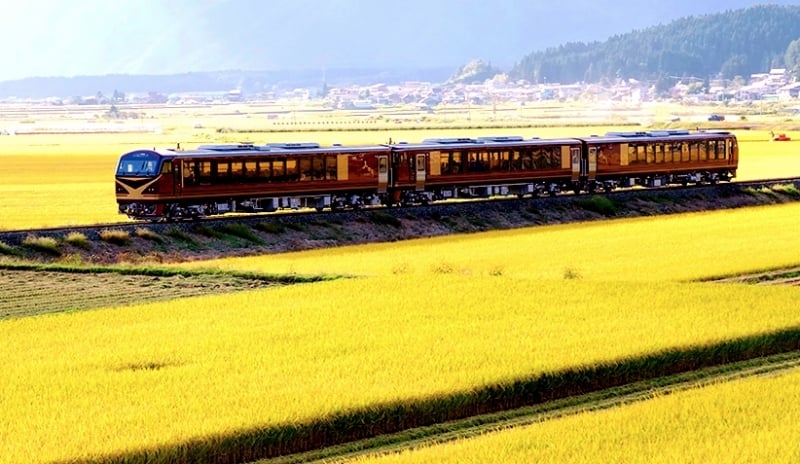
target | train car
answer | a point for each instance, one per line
(216, 179)
(656, 158)
(443, 168)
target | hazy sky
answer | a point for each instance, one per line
(91, 37)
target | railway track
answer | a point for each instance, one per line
(469, 207)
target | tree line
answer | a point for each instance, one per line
(726, 45)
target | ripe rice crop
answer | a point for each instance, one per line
(81, 385)
(749, 420)
(651, 249)
(50, 180)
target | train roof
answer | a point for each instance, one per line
(270, 149)
(487, 142)
(665, 135)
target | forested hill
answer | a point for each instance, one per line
(740, 42)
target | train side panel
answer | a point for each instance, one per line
(450, 168)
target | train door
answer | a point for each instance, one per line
(575, 155)
(383, 173)
(401, 169)
(420, 171)
(591, 163)
(177, 168)
(169, 178)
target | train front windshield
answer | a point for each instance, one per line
(139, 163)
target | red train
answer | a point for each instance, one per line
(217, 179)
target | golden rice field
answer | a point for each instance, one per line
(750, 420)
(50, 180)
(187, 369)
(671, 248)
(436, 316)
(80, 385)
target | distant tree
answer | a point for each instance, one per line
(476, 71)
(118, 96)
(792, 59)
(114, 113)
(736, 65)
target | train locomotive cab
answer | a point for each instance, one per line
(142, 178)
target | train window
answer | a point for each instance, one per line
(633, 154)
(533, 159)
(514, 160)
(676, 152)
(264, 169)
(444, 163)
(549, 157)
(702, 148)
(204, 171)
(304, 171)
(251, 169)
(493, 160)
(223, 171)
(719, 149)
(166, 168)
(189, 173)
(650, 153)
(331, 167)
(318, 167)
(476, 161)
(660, 152)
(455, 162)
(684, 152)
(527, 158)
(278, 169)
(504, 160)
(237, 170)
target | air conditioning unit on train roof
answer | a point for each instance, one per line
(501, 138)
(450, 140)
(294, 145)
(668, 132)
(230, 147)
(627, 134)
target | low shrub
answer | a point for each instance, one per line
(6, 249)
(79, 240)
(241, 231)
(270, 227)
(787, 189)
(600, 205)
(115, 236)
(47, 245)
(148, 234)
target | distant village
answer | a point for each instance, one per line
(774, 85)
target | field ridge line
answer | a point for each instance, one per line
(774, 365)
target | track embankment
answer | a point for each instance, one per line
(138, 242)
